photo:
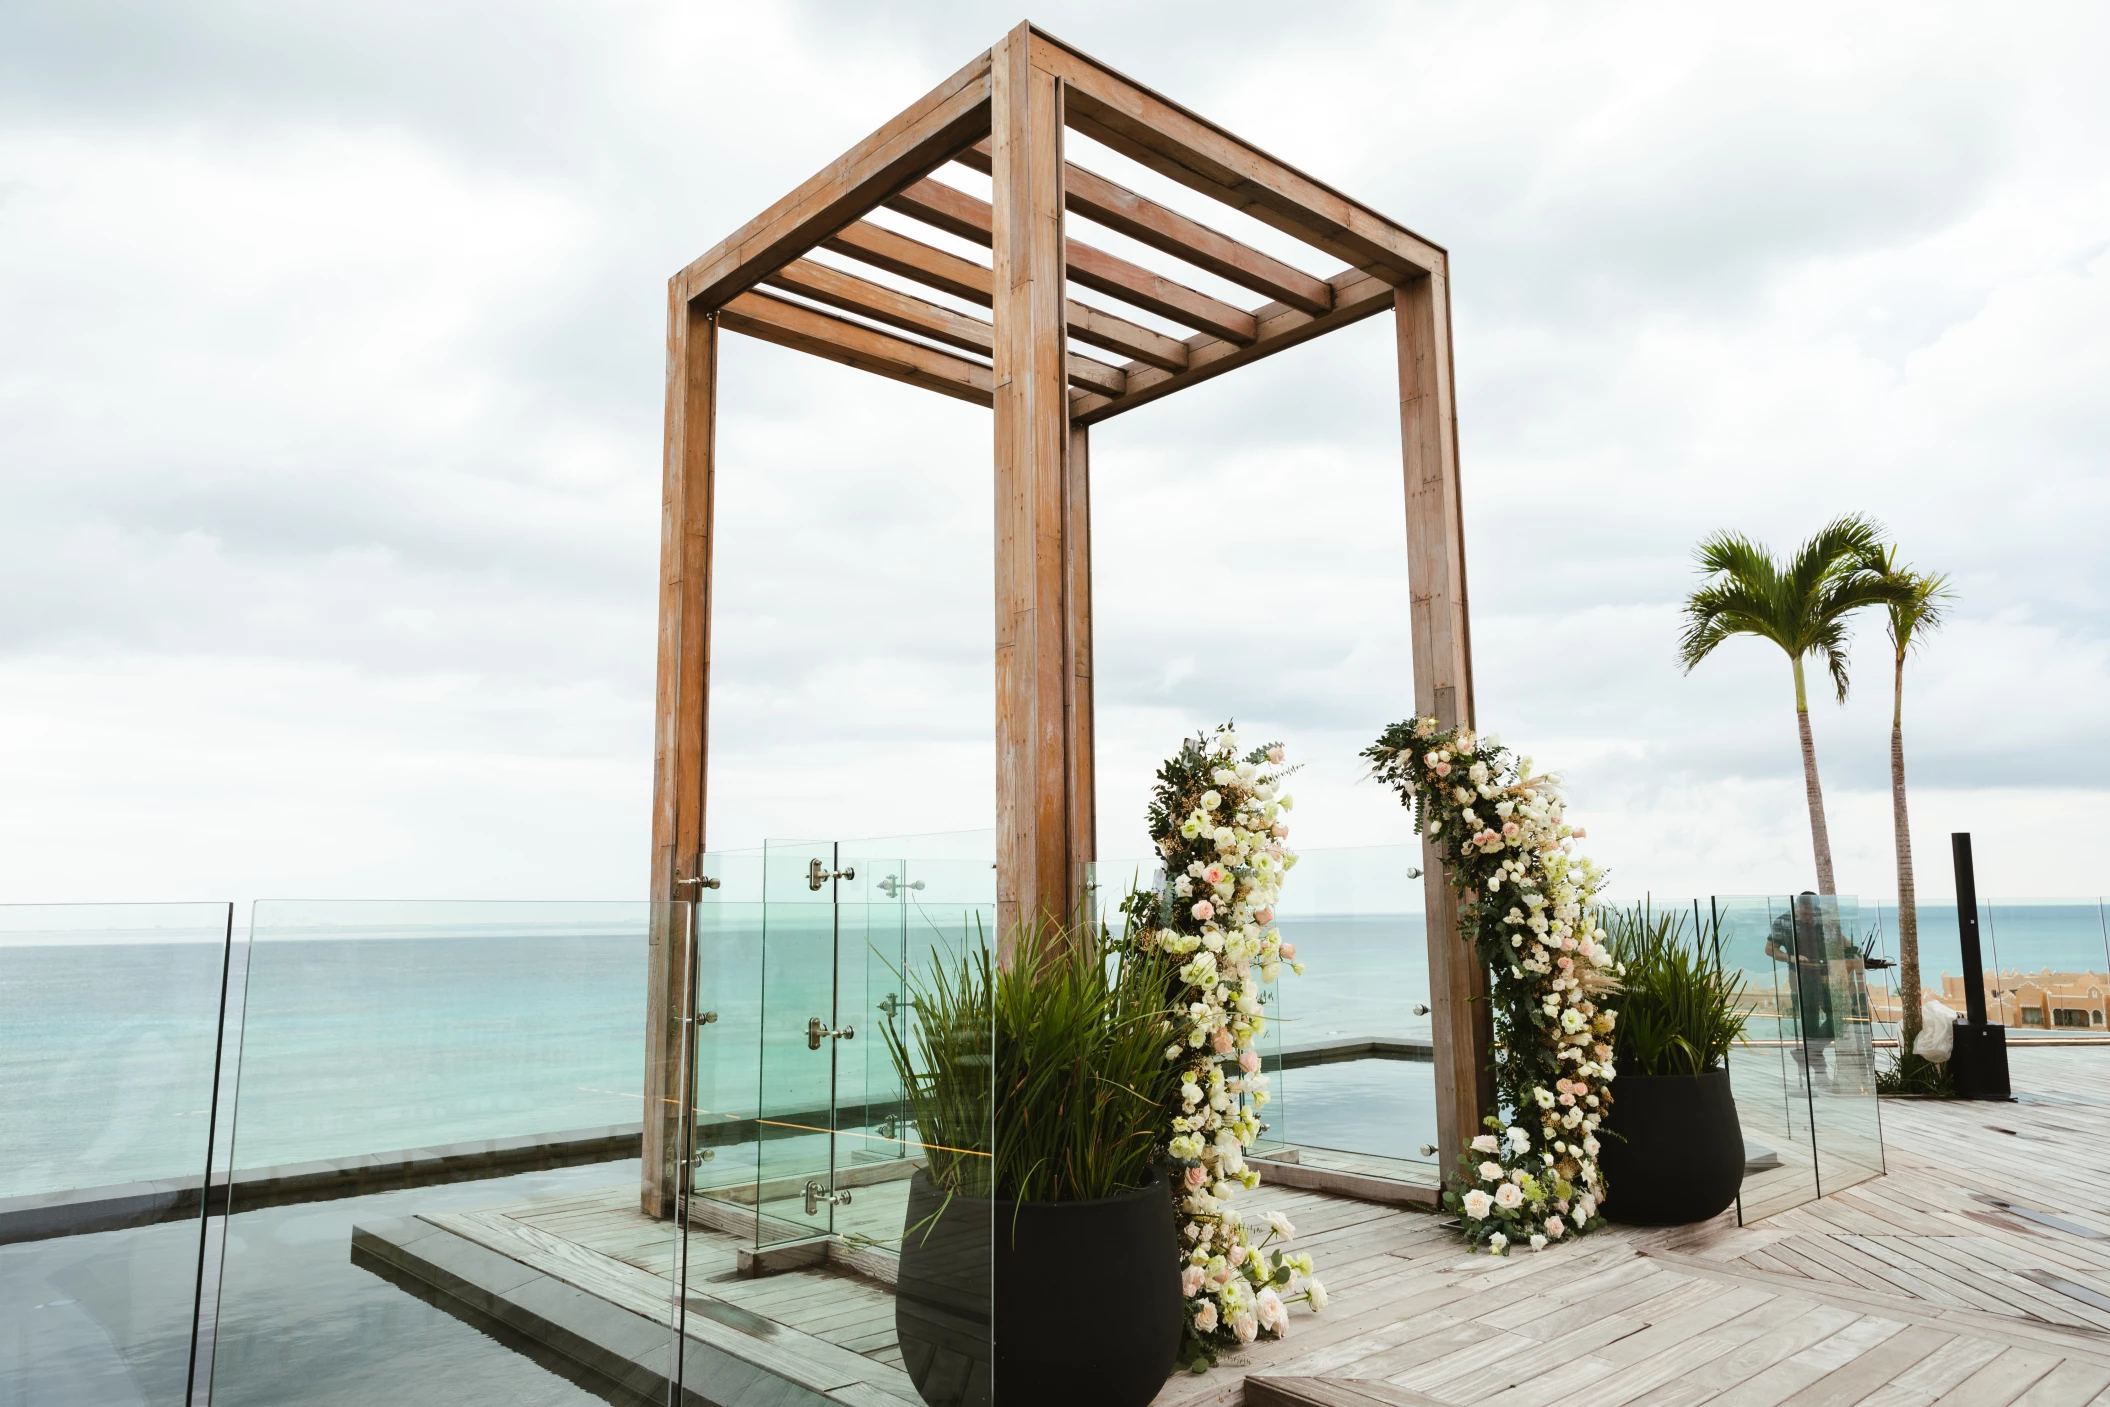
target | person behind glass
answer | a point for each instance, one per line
(1796, 939)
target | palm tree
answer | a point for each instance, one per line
(1913, 617)
(1802, 607)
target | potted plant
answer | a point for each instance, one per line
(1037, 1088)
(1673, 1151)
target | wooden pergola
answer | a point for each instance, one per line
(1005, 115)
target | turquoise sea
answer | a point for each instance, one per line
(377, 1029)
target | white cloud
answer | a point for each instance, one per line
(329, 439)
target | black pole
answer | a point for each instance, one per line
(1978, 1061)
(1967, 929)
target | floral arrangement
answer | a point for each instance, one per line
(1525, 904)
(1219, 818)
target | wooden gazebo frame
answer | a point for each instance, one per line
(1004, 115)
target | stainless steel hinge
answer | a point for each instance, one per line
(817, 1031)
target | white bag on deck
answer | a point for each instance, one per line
(1937, 1033)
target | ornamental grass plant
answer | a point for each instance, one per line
(1679, 1011)
(1044, 1079)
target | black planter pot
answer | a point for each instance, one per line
(942, 1310)
(1672, 1152)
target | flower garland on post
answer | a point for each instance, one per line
(1220, 819)
(1525, 904)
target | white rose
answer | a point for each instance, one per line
(1211, 800)
(1477, 1204)
(1538, 1243)
(1317, 1292)
(1487, 1143)
(1490, 1172)
(1509, 1197)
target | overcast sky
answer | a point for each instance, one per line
(330, 394)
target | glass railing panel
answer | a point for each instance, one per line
(945, 870)
(110, 1020)
(437, 1196)
(798, 1044)
(1838, 1048)
(726, 1051)
(2051, 958)
(1768, 1068)
(1355, 1088)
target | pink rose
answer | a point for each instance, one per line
(1289, 950)
(1281, 830)
(1579, 833)
(1441, 769)
(1274, 754)
(1554, 1227)
(1205, 1317)
(1195, 1177)
(1214, 874)
(1191, 1281)
(1509, 828)
(1237, 1256)
(1204, 910)
(1566, 964)
(1221, 1042)
(1265, 916)
(1249, 1062)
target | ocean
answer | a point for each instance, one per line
(369, 1028)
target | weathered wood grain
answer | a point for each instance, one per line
(1144, 220)
(1036, 875)
(805, 329)
(949, 118)
(1443, 689)
(935, 321)
(1157, 133)
(958, 213)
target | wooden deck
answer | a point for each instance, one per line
(1975, 1274)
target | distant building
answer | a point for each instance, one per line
(2047, 1000)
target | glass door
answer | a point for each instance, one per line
(803, 1027)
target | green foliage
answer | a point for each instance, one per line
(1801, 605)
(1065, 1044)
(1680, 1011)
(1911, 1076)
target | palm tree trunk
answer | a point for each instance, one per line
(1820, 839)
(1908, 903)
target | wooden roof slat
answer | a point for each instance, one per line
(1145, 221)
(805, 329)
(1357, 294)
(941, 324)
(958, 213)
(963, 278)
(952, 116)
(1167, 138)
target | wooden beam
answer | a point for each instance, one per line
(805, 329)
(1036, 875)
(950, 117)
(1443, 687)
(958, 213)
(1169, 139)
(1356, 295)
(883, 248)
(1142, 219)
(680, 728)
(941, 324)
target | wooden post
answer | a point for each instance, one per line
(1077, 715)
(1443, 687)
(681, 725)
(1036, 869)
